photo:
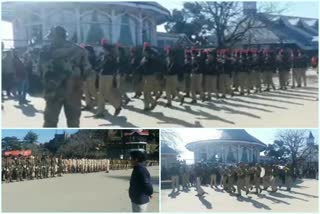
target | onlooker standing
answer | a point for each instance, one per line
(21, 78)
(140, 190)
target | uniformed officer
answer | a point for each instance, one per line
(90, 89)
(147, 67)
(283, 65)
(269, 66)
(198, 63)
(107, 83)
(244, 73)
(173, 68)
(64, 66)
(211, 75)
(123, 73)
(187, 68)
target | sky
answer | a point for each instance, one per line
(44, 135)
(296, 8)
(188, 135)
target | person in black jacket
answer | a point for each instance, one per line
(107, 89)
(211, 75)
(90, 90)
(173, 68)
(148, 65)
(140, 190)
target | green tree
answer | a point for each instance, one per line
(10, 143)
(30, 137)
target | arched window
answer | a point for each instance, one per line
(244, 157)
(94, 26)
(146, 31)
(230, 157)
(203, 154)
(128, 31)
(34, 29)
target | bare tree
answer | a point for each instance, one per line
(222, 21)
(295, 141)
(171, 138)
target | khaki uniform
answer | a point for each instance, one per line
(107, 91)
(211, 86)
(196, 86)
(90, 91)
(148, 88)
(172, 87)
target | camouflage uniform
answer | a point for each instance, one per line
(63, 66)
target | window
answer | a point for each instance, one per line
(128, 31)
(95, 26)
(146, 31)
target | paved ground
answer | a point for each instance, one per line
(96, 192)
(302, 198)
(292, 108)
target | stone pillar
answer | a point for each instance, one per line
(113, 27)
(140, 27)
(154, 33)
(19, 33)
(78, 27)
(207, 151)
(238, 153)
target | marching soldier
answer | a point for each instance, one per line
(198, 62)
(283, 67)
(60, 166)
(107, 82)
(175, 178)
(135, 59)
(244, 73)
(187, 67)
(123, 71)
(211, 75)
(269, 67)
(174, 67)
(299, 69)
(213, 177)
(228, 67)
(90, 89)
(147, 67)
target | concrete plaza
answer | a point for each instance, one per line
(302, 198)
(296, 107)
(93, 192)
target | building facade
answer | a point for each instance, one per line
(228, 146)
(169, 157)
(127, 23)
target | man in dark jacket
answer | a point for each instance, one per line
(140, 190)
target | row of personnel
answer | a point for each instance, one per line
(21, 168)
(233, 179)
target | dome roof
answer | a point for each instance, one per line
(228, 136)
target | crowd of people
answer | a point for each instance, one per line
(200, 74)
(21, 168)
(231, 178)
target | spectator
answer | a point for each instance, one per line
(140, 190)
